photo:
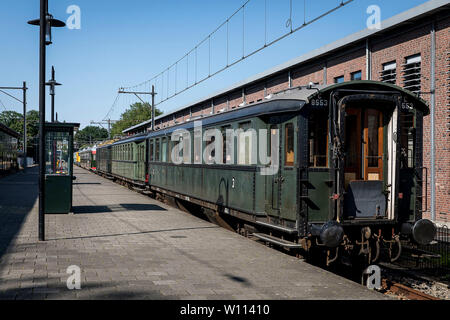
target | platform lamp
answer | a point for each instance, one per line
(45, 22)
(52, 83)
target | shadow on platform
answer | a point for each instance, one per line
(116, 208)
(18, 194)
(133, 233)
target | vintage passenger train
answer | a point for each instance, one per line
(8, 149)
(349, 179)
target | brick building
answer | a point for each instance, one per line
(411, 50)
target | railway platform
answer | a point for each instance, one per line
(129, 246)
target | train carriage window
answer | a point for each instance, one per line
(245, 144)
(198, 144)
(173, 146)
(164, 150)
(289, 145)
(186, 148)
(372, 143)
(318, 139)
(151, 157)
(227, 145)
(407, 140)
(212, 154)
(157, 150)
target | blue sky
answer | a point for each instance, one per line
(123, 43)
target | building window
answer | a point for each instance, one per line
(412, 73)
(289, 145)
(339, 79)
(389, 72)
(356, 75)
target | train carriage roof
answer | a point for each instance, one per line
(293, 100)
(289, 100)
(136, 138)
(370, 85)
(9, 131)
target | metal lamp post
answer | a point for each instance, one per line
(52, 83)
(45, 22)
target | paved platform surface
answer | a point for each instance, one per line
(130, 246)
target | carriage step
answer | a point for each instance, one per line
(276, 227)
(277, 241)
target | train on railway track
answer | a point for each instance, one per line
(8, 149)
(335, 169)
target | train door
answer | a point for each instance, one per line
(272, 186)
(282, 186)
(363, 169)
(288, 173)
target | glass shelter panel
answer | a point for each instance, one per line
(57, 153)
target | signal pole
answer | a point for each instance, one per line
(152, 93)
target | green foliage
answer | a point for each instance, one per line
(137, 113)
(90, 135)
(14, 120)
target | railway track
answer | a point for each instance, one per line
(401, 290)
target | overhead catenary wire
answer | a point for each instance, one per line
(159, 78)
(3, 105)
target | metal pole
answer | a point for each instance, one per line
(24, 124)
(53, 108)
(432, 105)
(43, 22)
(153, 108)
(109, 129)
(52, 94)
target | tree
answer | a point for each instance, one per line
(14, 120)
(90, 135)
(137, 113)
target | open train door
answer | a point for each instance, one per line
(366, 147)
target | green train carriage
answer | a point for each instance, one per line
(128, 159)
(350, 169)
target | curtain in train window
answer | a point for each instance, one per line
(318, 139)
(289, 145)
(245, 144)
